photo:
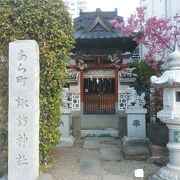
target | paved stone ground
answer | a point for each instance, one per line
(90, 166)
(110, 154)
(91, 144)
(103, 163)
(45, 177)
(115, 177)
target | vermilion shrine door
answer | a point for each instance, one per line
(99, 95)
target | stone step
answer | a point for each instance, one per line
(101, 139)
(100, 133)
(99, 122)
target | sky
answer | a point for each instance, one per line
(125, 7)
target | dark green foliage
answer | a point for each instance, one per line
(144, 72)
(143, 84)
(47, 22)
(3, 112)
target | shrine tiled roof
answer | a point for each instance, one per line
(96, 25)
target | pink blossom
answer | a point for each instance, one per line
(157, 35)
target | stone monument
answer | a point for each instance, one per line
(23, 122)
(170, 81)
(135, 144)
(66, 139)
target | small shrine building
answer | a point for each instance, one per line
(98, 72)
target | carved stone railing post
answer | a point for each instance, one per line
(170, 81)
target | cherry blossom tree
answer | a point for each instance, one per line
(158, 35)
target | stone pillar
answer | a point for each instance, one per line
(66, 139)
(136, 123)
(23, 122)
(135, 144)
(170, 81)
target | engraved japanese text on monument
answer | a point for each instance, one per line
(23, 158)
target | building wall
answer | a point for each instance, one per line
(160, 9)
(173, 7)
(74, 7)
(81, 5)
(71, 7)
(154, 7)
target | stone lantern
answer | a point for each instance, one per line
(170, 81)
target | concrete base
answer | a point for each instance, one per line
(135, 149)
(166, 173)
(107, 132)
(66, 142)
(5, 177)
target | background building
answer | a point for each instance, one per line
(160, 9)
(71, 7)
(75, 6)
(81, 6)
